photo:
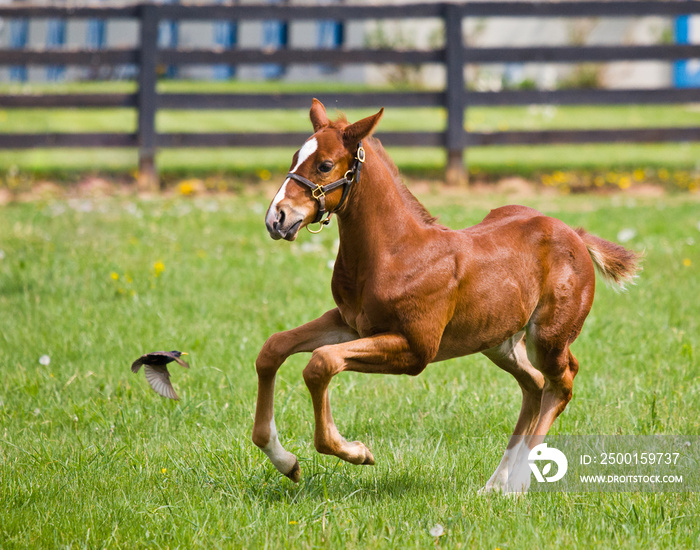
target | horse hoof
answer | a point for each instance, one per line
(295, 473)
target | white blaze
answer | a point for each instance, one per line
(308, 149)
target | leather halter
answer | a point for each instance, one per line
(319, 192)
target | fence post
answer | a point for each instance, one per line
(147, 98)
(454, 63)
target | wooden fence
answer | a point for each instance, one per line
(453, 54)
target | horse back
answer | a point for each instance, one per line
(509, 264)
(511, 212)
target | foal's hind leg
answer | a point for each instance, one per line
(559, 368)
(511, 356)
(327, 329)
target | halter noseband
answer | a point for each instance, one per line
(319, 191)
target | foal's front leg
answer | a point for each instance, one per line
(327, 329)
(384, 354)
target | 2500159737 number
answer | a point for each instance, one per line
(638, 458)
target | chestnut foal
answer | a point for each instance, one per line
(516, 287)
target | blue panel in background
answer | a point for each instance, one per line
(686, 73)
(19, 33)
(55, 39)
(331, 35)
(225, 36)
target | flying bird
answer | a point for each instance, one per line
(155, 366)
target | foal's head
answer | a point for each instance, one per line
(327, 157)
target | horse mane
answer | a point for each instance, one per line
(420, 211)
(409, 199)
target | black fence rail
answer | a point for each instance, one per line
(453, 54)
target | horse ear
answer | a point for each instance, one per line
(318, 116)
(361, 129)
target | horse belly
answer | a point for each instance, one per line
(487, 319)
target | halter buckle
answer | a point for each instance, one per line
(360, 154)
(318, 192)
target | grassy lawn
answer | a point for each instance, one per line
(521, 160)
(91, 457)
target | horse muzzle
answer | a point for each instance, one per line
(283, 224)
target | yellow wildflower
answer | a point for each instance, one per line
(560, 177)
(114, 275)
(186, 187)
(163, 470)
(687, 262)
(158, 268)
(625, 182)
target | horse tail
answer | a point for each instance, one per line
(614, 262)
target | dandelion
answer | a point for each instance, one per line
(663, 174)
(687, 262)
(158, 268)
(639, 174)
(264, 175)
(114, 275)
(163, 471)
(560, 177)
(293, 522)
(437, 530)
(189, 187)
(624, 182)
(45, 360)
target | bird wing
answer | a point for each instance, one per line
(182, 362)
(159, 379)
(136, 365)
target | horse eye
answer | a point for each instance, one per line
(325, 167)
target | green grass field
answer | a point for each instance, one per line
(90, 457)
(492, 161)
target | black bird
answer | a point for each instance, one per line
(155, 366)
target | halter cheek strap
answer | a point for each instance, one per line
(319, 192)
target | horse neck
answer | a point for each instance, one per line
(375, 214)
